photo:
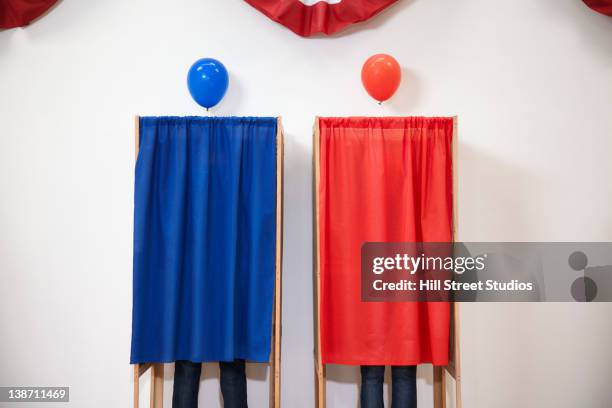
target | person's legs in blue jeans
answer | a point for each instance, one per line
(187, 384)
(372, 378)
(403, 387)
(233, 384)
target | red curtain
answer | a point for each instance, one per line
(18, 13)
(381, 180)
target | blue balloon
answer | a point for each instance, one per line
(207, 81)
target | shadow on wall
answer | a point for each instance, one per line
(488, 183)
(593, 28)
(298, 309)
(407, 95)
(232, 100)
(43, 15)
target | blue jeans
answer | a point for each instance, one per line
(403, 386)
(187, 384)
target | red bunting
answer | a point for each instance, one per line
(601, 6)
(18, 13)
(308, 17)
(381, 180)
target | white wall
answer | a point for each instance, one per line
(530, 80)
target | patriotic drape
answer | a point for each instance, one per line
(308, 17)
(601, 6)
(204, 239)
(18, 13)
(381, 180)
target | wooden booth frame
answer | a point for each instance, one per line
(439, 373)
(157, 369)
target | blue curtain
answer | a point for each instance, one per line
(204, 239)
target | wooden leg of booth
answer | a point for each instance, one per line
(457, 355)
(157, 385)
(136, 384)
(458, 392)
(139, 370)
(320, 397)
(277, 368)
(439, 377)
(274, 398)
(275, 359)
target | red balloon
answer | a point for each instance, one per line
(381, 75)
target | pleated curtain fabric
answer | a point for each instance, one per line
(204, 239)
(381, 180)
